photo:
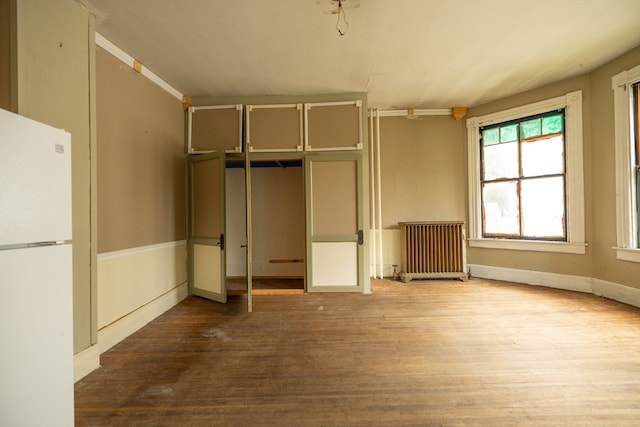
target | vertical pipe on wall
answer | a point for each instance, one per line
(249, 226)
(379, 191)
(372, 174)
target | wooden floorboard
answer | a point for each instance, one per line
(424, 353)
(266, 286)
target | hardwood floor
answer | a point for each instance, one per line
(266, 286)
(425, 353)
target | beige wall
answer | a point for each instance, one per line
(599, 180)
(424, 177)
(141, 172)
(53, 85)
(141, 200)
(573, 264)
(607, 267)
(422, 169)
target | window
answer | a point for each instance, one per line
(636, 146)
(626, 89)
(526, 188)
(522, 178)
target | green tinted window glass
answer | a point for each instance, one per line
(509, 133)
(490, 136)
(552, 124)
(530, 129)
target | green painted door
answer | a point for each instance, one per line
(335, 254)
(206, 242)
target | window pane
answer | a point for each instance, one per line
(636, 95)
(509, 133)
(543, 157)
(543, 207)
(500, 208)
(500, 161)
(490, 136)
(530, 129)
(638, 204)
(552, 124)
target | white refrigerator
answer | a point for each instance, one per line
(36, 300)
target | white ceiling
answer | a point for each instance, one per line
(404, 53)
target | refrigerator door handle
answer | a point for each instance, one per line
(34, 245)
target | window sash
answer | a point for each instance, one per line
(636, 105)
(636, 95)
(521, 177)
(638, 205)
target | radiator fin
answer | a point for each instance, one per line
(433, 250)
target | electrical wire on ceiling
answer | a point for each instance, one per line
(344, 27)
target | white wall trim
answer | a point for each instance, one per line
(139, 249)
(115, 332)
(627, 254)
(529, 245)
(529, 277)
(107, 45)
(626, 227)
(88, 360)
(574, 177)
(416, 112)
(626, 294)
(85, 362)
(617, 292)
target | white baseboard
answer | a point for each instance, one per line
(617, 292)
(115, 332)
(85, 362)
(538, 278)
(614, 291)
(88, 360)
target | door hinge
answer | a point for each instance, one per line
(222, 242)
(360, 237)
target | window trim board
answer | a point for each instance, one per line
(626, 228)
(529, 245)
(572, 103)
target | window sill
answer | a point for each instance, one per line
(529, 245)
(627, 254)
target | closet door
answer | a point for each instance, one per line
(207, 275)
(334, 223)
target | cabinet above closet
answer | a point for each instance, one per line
(277, 127)
(333, 126)
(215, 128)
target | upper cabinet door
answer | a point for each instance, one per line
(215, 128)
(273, 128)
(333, 126)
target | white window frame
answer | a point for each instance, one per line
(572, 103)
(626, 232)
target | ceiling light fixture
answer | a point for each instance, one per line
(338, 7)
(343, 27)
